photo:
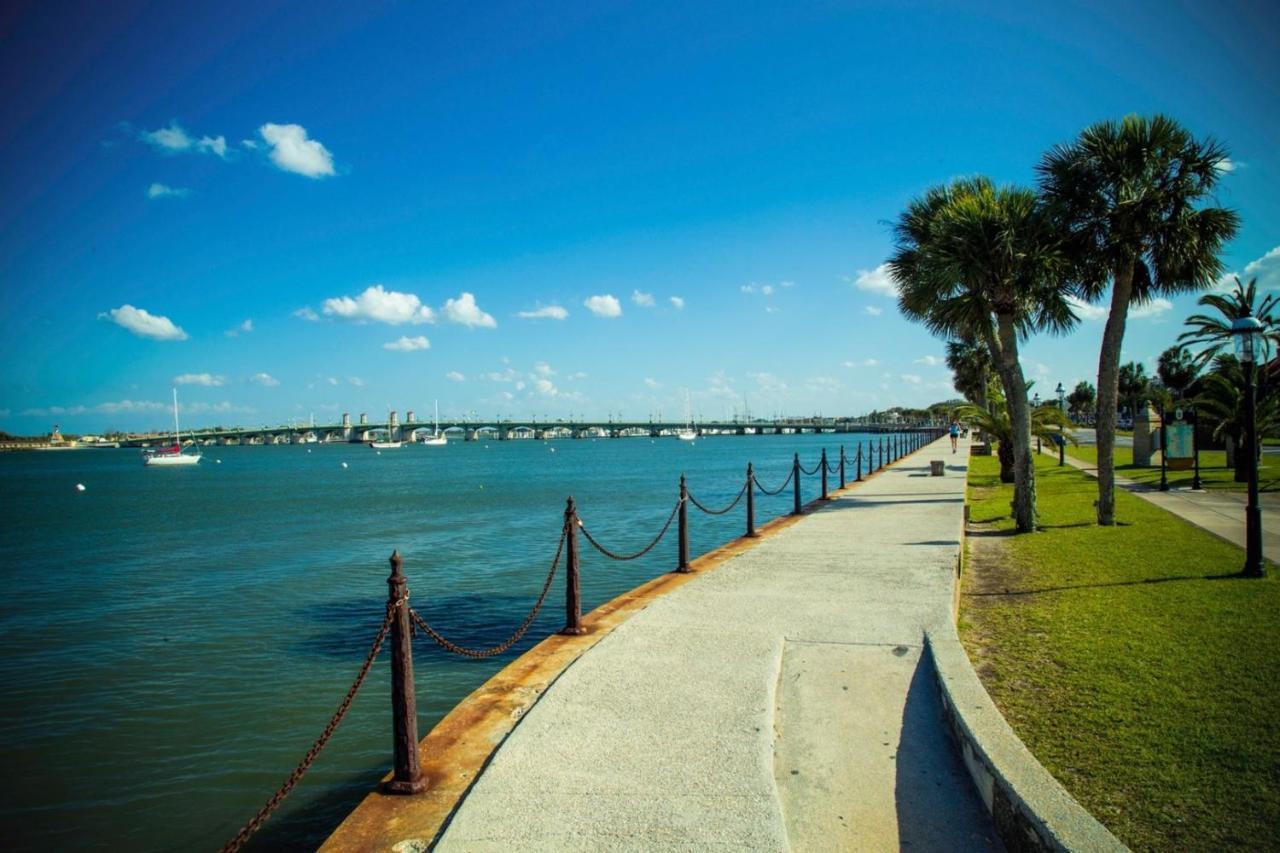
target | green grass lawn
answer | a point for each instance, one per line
(1214, 473)
(1133, 661)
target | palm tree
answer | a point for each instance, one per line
(970, 362)
(1125, 194)
(1221, 400)
(1133, 386)
(1214, 333)
(1080, 400)
(1048, 423)
(1177, 370)
(984, 263)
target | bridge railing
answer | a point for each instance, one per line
(401, 623)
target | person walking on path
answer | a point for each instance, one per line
(955, 434)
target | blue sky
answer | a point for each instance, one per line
(316, 208)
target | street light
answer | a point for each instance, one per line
(1062, 438)
(1035, 404)
(1247, 332)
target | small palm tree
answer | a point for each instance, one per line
(1221, 401)
(1133, 386)
(1047, 423)
(1213, 334)
(1125, 194)
(970, 363)
(1178, 370)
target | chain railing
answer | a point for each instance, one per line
(401, 622)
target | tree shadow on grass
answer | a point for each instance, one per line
(1012, 593)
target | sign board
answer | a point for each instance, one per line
(1181, 448)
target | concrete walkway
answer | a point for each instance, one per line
(779, 702)
(1217, 511)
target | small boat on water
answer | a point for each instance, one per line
(170, 455)
(388, 444)
(436, 439)
(688, 433)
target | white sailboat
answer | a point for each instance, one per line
(172, 455)
(688, 433)
(388, 444)
(436, 439)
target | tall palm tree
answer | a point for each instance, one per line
(1178, 370)
(970, 362)
(980, 262)
(1081, 399)
(1133, 386)
(1214, 333)
(1125, 194)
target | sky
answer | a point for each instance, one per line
(290, 210)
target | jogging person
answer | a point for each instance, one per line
(955, 434)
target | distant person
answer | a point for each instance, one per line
(955, 435)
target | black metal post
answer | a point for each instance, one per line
(1195, 447)
(407, 778)
(795, 478)
(683, 566)
(823, 464)
(572, 583)
(1164, 452)
(1062, 447)
(858, 469)
(842, 466)
(751, 501)
(1252, 512)
(881, 465)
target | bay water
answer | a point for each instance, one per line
(174, 639)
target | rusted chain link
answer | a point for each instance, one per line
(448, 645)
(637, 555)
(699, 505)
(307, 760)
(776, 491)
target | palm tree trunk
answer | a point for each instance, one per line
(1004, 452)
(983, 402)
(1024, 464)
(1109, 390)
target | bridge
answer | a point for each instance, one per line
(362, 430)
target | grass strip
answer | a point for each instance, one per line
(1133, 661)
(1214, 473)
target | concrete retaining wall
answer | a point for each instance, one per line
(1032, 812)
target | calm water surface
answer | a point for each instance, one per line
(175, 639)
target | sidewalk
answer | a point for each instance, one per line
(1217, 511)
(779, 702)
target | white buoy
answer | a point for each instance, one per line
(217, 461)
(344, 465)
(80, 487)
(378, 452)
(553, 450)
(308, 449)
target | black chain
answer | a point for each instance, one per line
(307, 760)
(778, 490)
(699, 505)
(637, 555)
(451, 646)
(807, 472)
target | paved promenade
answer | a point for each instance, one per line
(779, 702)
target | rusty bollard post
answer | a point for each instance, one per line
(858, 469)
(881, 465)
(572, 584)
(407, 778)
(683, 565)
(795, 476)
(822, 463)
(842, 466)
(751, 501)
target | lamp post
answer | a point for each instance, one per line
(1247, 332)
(1035, 404)
(1062, 436)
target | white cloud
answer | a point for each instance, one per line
(223, 408)
(876, 281)
(244, 328)
(264, 379)
(251, 144)
(1266, 269)
(380, 305)
(545, 388)
(455, 376)
(928, 360)
(765, 289)
(652, 384)
(306, 313)
(873, 310)
(604, 306)
(332, 380)
(644, 300)
(408, 344)
(1151, 308)
(174, 138)
(578, 375)
(1085, 311)
(208, 380)
(166, 191)
(548, 312)
(1227, 165)
(465, 312)
(543, 369)
(356, 381)
(677, 302)
(822, 385)
(111, 408)
(910, 378)
(869, 362)
(768, 382)
(292, 151)
(145, 324)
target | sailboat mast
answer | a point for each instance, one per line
(176, 440)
